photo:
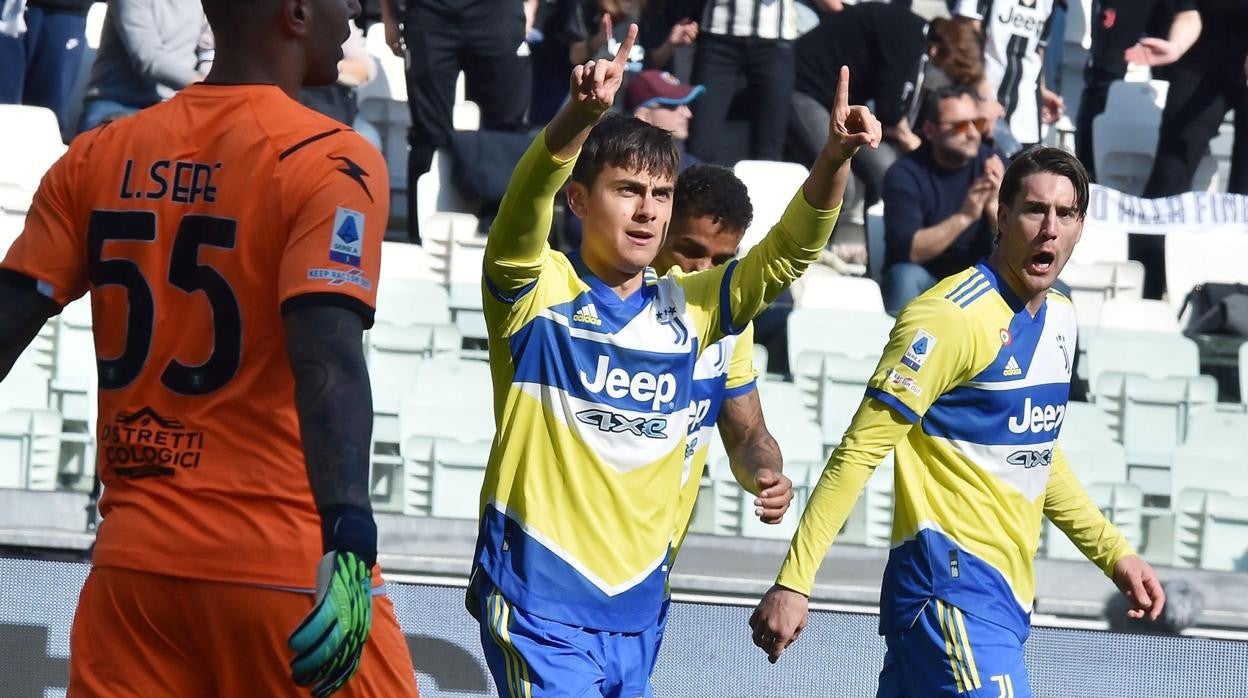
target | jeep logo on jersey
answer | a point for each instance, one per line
(642, 386)
(1038, 418)
(614, 423)
(1031, 459)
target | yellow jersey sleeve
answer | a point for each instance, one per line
(517, 248)
(874, 431)
(723, 300)
(741, 372)
(1068, 506)
(931, 349)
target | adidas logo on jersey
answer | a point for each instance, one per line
(1011, 368)
(588, 314)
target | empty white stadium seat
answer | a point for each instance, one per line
(74, 380)
(832, 387)
(1199, 257)
(1088, 443)
(853, 334)
(446, 473)
(1155, 354)
(1099, 246)
(771, 186)
(1212, 457)
(1210, 530)
(401, 260)
(37, 433)
(405, 302)
(1138, 314)
(1093, 283)
(1153, 414)
(31, 142)
(1122, 503)
(436, 192)
(1124, 136)
(822, 288)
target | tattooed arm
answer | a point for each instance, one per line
(755, 456)
(335, 406)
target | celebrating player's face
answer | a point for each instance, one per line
(1039, 229)
(625, 215)
(696, 243)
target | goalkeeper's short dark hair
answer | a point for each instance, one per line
(715, 191)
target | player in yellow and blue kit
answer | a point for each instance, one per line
(710, 213)
(971, 392)
(593, 358)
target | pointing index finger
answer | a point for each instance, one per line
(842, 91)
(621, 56)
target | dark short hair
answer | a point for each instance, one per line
(627, 142)
(1043, 158)
(713, 190)
(933, 98)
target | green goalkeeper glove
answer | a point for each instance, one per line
(329, 641)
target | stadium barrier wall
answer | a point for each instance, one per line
(706, 651)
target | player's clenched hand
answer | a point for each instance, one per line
(775, 493)
(329, 641)
(850, 128)
(778, 620)
(1139, 583)
(594, 84)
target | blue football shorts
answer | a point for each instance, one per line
(948, 652)
(532, 657)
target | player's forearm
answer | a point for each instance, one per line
(23, 310)
(334, 402)
(873, 432)
(749, 456)
(929, 242)
(1068, 506)
(1185, 30)
(781, 258)
(824, 187)
(518, 234)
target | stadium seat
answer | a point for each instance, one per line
(1099, 246)
(451, 400)
(821, 288)
(832, 387)
(1089, 446)
(1091, 284)
(74, 377)
(401, 260)
(1243, 373)
(406, 302)
(849, 333)
(1210, 530)
(32, 142)
(1138, 314)
(444, 234)
(1154, 354)
(870, 522)
(456, 471)
(26, 386)
(436, 193)
(1211, 457)
(1153, 414)
(37, 433)
(1125, 134)
(1201, 257)
(1122, 503)
(771, 186)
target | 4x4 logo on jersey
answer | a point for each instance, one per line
(1031, 459)
(614, 423)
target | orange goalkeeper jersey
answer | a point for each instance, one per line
(193, 225)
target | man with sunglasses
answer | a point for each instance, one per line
(940, 200)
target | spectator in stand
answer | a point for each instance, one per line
(148, 51)
(1117, 27)
(339, 101)
(41, 50)
(657, 97)
(940, 201)
(1206, 82)
(883, 45)
(1014, 35)
(483, 38)
(595, 28)
(956, 57)
(754, 39)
